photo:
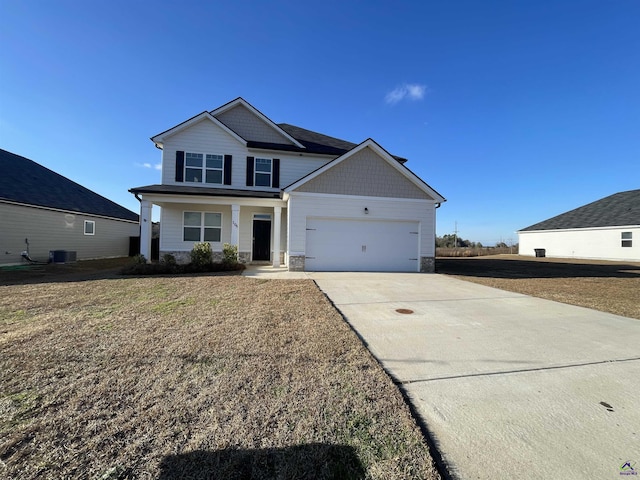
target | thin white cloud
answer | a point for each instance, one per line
(157, 166)
(410, 91)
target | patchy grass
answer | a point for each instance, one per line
(601, 285)
(193, 377)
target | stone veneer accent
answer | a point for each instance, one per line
(182, 258)
(244, 257)
(427, 264)
(296, 263)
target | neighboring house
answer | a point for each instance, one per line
(234, 176)
(608, 229)
(41, 211)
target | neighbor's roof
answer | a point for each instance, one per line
(615, 210)
(27, 182)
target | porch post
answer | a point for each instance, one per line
(277, 213)
(145, 228)
(235, 222)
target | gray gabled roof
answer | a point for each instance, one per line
(619, 209)
(27, 182)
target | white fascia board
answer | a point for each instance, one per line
(207, 200)
(424, 201)
(579, 229)
(257, 113)
(382, 153)
(160, 138)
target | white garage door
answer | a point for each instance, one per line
(361, 245)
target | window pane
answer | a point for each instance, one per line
(263, 179)
(212, 219)
(263, 165)
(192, 219)
(88, 227)
(193, 159)
(193, 175)
(214, 161)
(627, 235)
(214, 176)
(211, 234)
(191, 234)
(626, 243)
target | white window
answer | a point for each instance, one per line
(89, 227)
(203, 167)
(263, 172)
(202, 226)
(626, 239)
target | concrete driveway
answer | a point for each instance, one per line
(509, 386)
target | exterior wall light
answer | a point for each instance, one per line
(366, 211)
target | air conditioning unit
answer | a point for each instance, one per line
(61, 256)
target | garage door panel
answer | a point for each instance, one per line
(361, 245)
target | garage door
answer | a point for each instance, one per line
(361, 245)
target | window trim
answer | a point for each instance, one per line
(202, 226)
(93, 229)
(204, 169)
(256, 172)
(626, 239)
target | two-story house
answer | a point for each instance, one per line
(286, 195)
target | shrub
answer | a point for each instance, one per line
(139, 259)
(201, 255)
(169, 259)
(229, 254)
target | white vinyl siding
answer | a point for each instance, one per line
(303, 205)
(205, 137)
(589, 243)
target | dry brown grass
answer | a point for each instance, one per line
(197, 377)
(601, 285)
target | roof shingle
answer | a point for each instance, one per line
(25, 181)
(615, 210)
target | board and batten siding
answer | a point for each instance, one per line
(303, 205)
(48, 230)
(603, 243)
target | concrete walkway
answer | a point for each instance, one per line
(509, 386)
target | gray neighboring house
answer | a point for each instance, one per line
(607, 229)
(53, 213)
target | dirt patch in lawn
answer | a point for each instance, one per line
(194, 377)
(601, 285)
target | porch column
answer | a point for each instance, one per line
(235, 222)
(145, 228)
(277, 213)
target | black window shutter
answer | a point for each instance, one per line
(275, 179)
(227, 170)
(250, 171)
(179, 166)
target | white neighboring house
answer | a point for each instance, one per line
(42, 211)
(286, 195)
(607, 229)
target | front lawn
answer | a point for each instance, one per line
(194, 377)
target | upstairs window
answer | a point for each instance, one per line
(263, 172)
(626, 239)
(200, 167)
(202, 226)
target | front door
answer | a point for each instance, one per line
(261, 240)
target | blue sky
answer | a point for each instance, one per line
(515, 111)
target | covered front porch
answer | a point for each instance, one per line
(255, 224)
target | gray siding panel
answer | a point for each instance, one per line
(366, 174)
(55, 230)
(251, 128)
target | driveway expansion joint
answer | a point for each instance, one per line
(509, 372)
